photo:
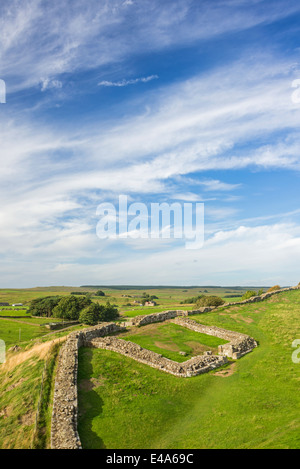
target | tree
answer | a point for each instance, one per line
(43, 306)
(108, 312)
(210, 301)
(90, 314)
(147, 297)
(249, 294)
(275, 288)
(69, 307)
(99, 293)
(191, 300)
(94, 313)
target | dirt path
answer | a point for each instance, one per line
(226, 371)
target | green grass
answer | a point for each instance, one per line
(14, 332)
(168, 339)
(257, 406)
(19, 393)
(167, 296)
(13, 312)
(152, 309)
(42, 435)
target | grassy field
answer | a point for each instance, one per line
(19, 392)
(169, 339)
(21, 427)
(168, 297)
(254, 403)
(151, 409)
(13, 312)
(14, 332)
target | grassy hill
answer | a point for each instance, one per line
(253, 403)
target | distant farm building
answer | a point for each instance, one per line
(150, 303)
(4, 304)
(17, 304)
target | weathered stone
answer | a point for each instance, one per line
(239, 344)
(192, 367)
(64, 433)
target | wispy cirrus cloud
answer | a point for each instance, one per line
(189, 138)
(48, 83)
(79, 38)
(124, 82)
(206, 123)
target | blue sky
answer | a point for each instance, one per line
(187, 101)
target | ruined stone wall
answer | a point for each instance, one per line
(262, 297)
(154, 317)
(194, 366)
(164, 316)
(239, 344)
(64, 433)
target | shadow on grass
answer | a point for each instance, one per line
(89, 402)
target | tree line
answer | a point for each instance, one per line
(73, 308)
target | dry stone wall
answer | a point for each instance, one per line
(64, 433)
(239, 344)
(264, 296)
(164, 316)
(194, 366)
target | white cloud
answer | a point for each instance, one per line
(124, 82)
(263, 255)
(58, 40)
(234, 117)
(187, 129)
(47, 83)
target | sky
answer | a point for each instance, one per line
(180, 101)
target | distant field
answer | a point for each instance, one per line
(125, 404)
(14, 312)
(14, 332)
(167, 296)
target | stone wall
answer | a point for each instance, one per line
(239, 344)
(262, 297)
(194, 366)
(164, 316)
(59, 325)
(64, 433)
